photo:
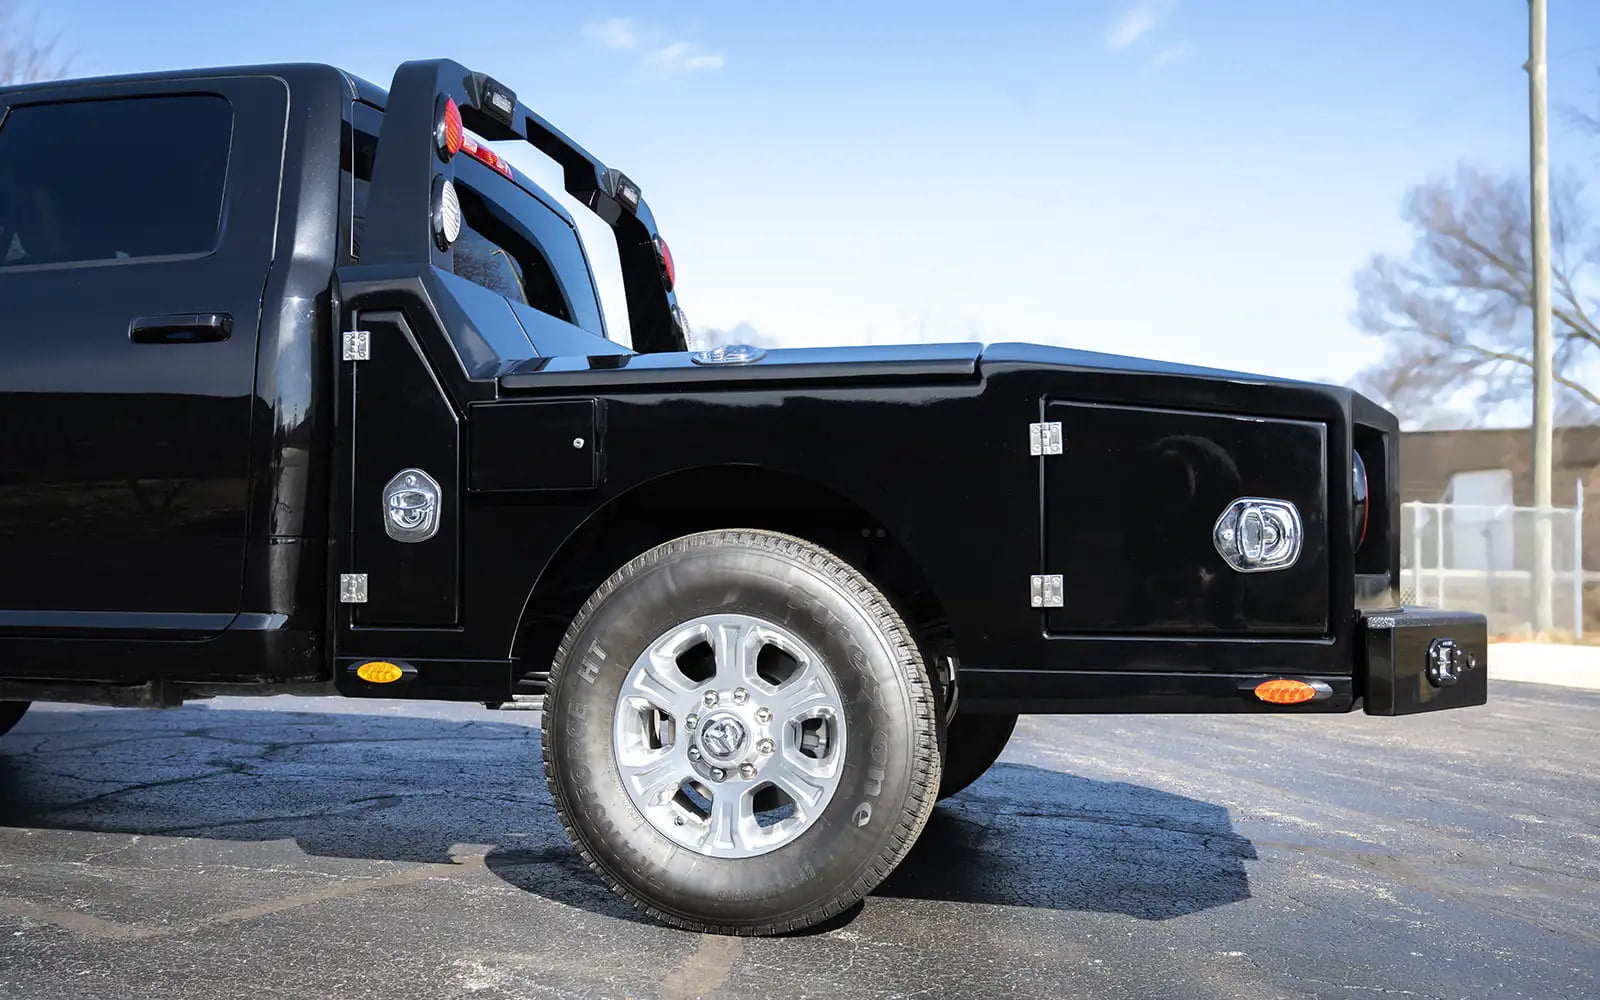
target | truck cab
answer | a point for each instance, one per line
(304, 387)
(171, 434)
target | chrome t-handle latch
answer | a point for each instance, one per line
(1255, 534)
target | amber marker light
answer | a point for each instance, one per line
(1285, 692)
(384, 672)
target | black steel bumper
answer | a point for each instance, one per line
(1423, 660)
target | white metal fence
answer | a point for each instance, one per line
(1480, 558)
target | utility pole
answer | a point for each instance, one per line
(1543, 435)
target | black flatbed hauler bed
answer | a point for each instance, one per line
(304, 387)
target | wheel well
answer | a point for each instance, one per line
(734, 496)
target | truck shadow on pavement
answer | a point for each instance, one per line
(469, 791)
(1027, 836)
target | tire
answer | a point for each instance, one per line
(10, 714)
(972, 745)
(669, 627)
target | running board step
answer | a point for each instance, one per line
(520, 703)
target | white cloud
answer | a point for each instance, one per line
(1137, 20)
(1170, 54)
(654, 49)
(684, 57)
(614, 33)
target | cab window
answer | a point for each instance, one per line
(556, 274)
(492, 253)
(94, 181)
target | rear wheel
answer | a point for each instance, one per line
(739, 734)
(972, 745)
(10, 714)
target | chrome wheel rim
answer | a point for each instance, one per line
(729, 735)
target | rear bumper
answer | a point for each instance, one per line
(1422, 660)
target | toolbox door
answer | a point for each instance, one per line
(1133, 505)
(406, 480)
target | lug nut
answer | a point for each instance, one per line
(694, 753)
(740, 696)
(717, 774)
(711, 698)
(747, 771)
(763, 715)
(691, 721)
(766, 746)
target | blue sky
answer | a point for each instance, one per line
(1175, 178)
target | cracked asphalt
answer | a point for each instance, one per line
(318, 848)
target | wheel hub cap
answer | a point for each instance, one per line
(722, 737)
(729, 735)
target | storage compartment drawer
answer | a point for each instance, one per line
(1424, 660)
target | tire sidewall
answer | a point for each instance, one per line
(862, 823)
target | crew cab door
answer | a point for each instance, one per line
(137, 227)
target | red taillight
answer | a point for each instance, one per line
(1362, 501)
(449, 134)
(669, 273)
(487, 157)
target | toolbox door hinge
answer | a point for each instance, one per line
(352, 588)
(357, 345)
(1045, 438)
(1046, 590)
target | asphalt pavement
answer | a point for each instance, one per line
(329, 849)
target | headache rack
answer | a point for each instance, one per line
(405, 168)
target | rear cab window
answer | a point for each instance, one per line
(513, 241)
(96, 182)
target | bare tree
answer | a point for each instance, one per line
(1456, 311)
(23, 57)
(742, 333)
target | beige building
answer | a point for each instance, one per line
(1479, 550)
(1429, 460)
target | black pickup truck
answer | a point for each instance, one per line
(304, 387)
